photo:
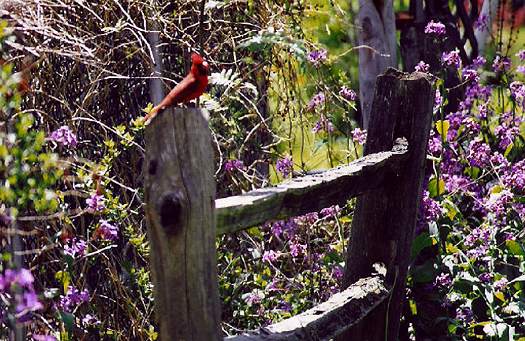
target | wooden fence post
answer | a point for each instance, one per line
(385, 218)
(377, 37)
(180, 199)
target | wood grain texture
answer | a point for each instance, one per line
(309, 193)
(328, 319)
(385, 218)
(377, 32)
(180, 194)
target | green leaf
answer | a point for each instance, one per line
(68, 319)
(451, 248)
(442, 128)
(421, 242)
(423, 273)
(515, 247)
(64, 278)
(500, 296)
(434, 189)
(509, 148)
(451, 209)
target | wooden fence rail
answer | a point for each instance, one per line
(184, 218)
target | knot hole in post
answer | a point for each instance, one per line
(170, 211)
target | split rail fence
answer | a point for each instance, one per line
(184, 219)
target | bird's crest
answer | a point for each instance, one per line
(196, 58)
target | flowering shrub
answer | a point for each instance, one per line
(472, 212)
(79, 211)
(283, 270)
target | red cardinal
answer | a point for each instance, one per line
(191, 87)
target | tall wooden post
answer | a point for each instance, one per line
(385, 218)
(180, 199)
(377, 35)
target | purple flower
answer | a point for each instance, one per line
(506, 135)
(464, 314)
(285, 166)
(521, 69)
(450, 163)
(478, 62)
(18, 284)
(521, 55)
(64, 136)
(296, 248)
(28, 301)
(5, 220)
(72, 298)
(438, 101)
(515, 176)
(519, 208)
(509, 236)
(307, 219)
(443, 281)
(331, 211)
(95, 202)
(499, 160)
(90, 320)
(422, 67)
(77, 248)
(501, 64)
(317, 57)
(107, 231)
(470, 75)
(256, 296)
(285, 306)
(316, 101)
(479, 154)
(482, 22)
(347, 93)
(474, 90)
(478, 252)
(273, 285)
(277, 228)
(483, 111)
(24, 278)
(323, 125)
(435, 28)
(429, 210)
(232, 165)
(270, 256)
(501, 284)
(478, 235)
(517, 90)
(38, 337)
(435, 145)
(485, 277)
(471, 126)
(456, 182)
(337, 272)
(359, 135)
(452, 58)
(497, 203)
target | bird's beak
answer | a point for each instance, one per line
(206, 66)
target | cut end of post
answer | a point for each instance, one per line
(392, 72)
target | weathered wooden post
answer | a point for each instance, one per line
(377, 36)
(180, 199)
(385, 218)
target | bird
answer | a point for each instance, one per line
(191, 87)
